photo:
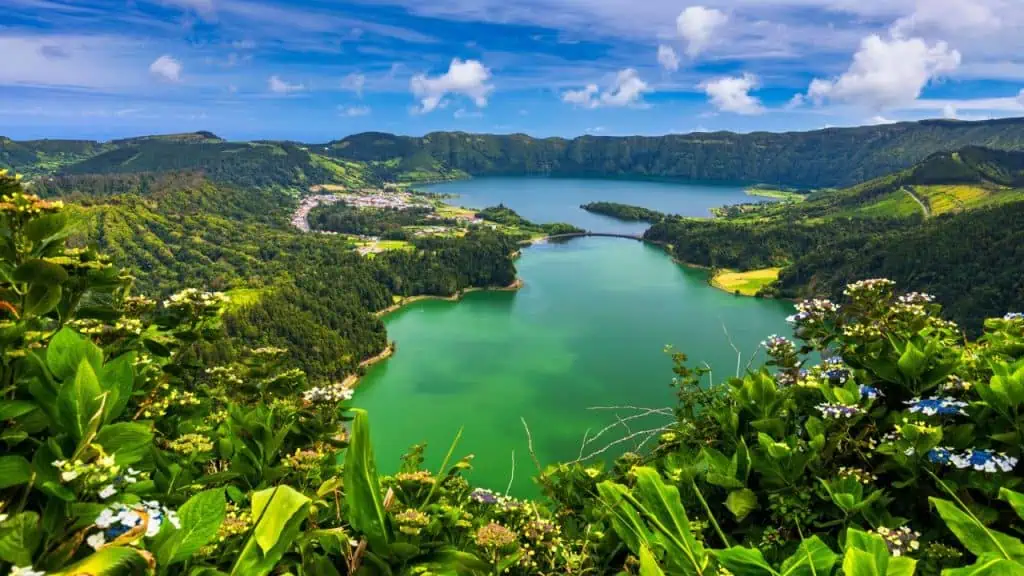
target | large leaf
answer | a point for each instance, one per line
(42, 299)
(1015, 499)
(66, 351)
(648, 565)
(78, 400)
(19, 537)
(40, 271)
(661, 506)
(200, 518)
(912, 362)
(988, 565)
(977, 538)
(280, 512)
(901, 566)
(743, 561)
(626, 520)
(118, 378)
(362, 489)
(127, 441)
(741, 503)
(812, 558)
(11, 409)
(860, 563)
(110, 561)
(47, 228)
(14, 470)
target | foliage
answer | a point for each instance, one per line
(506, 216)
(624, 212)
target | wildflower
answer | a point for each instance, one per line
(107, 491)
(483, 496)
(495, 536)
(784, 379)
(412, 521)
(984, 461)
(538, 530)
(956, 384)
(915, 298)
(777, 346)
(418, 477)
(191, 444)
(870, 392)
(935, 405)
(862, 476)
(118, 519)
(810, 312)
(836, 411)
(25, 571)
(330, 394)
(899, 541)
(303, 460)
(1011, 316)
(863, 289)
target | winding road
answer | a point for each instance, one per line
(924, 207)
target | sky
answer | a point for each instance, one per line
(318, 70)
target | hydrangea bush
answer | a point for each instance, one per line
(877, 440)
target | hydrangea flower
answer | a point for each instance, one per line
(863, 288)
(1011, 316)
(981, 460)
(26, 571)
(935, 405)
(495, 536)
(916, 298)
(813, 311)
(900, 541)
(837, 411)
(116, 520)
(330, 394)
(483, 496)
(778, 346)
(870, 392)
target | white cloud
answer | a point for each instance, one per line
(595, 130)
(887, 73)
(108, 63)
(279, 86)
(353, 111)
(949, 112)
(627, 89)
(167, 68)
(468, 78)
(1020, 98)
(668, 58)
(732, 94)
(877, 120)
(947, 15)
(354, 82)
(697, 25)
(204, 8)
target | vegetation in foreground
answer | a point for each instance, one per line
(125, 454)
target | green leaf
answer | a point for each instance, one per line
(1015, 499)
(41, 299)
(625, 519)
(988, 565)
(78, 401)
(977, 538)
(901, 566)
(66, 351)
(109, 561)
(860, 563)
(19, 537)
(648, 565)
(279, 523)
(45, 229)
(662, 502)
(14, 471)
(448, 560)
(127, 441)
(741, 503)
(11, 409)
(812, 558)
(39, 271)
(277, 506)
(118, 378)
(872, 544)
(743, 561)
(200, 518)
(362, 489)
(912, 362)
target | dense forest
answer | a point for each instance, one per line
(502, 214)
(625, 212)
(822, 158)
(386, 223)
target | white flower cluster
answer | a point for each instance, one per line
(119, 519)
(837, 411)
(332, 393)
(191, 297)
(225, 373)
(915, 298)
(812, 311)
(25, 571)
(988, 461)
(873, 286)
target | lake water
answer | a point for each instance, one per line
(588, 329)
(545, 200)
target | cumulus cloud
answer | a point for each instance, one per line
(947, 15)
(949, 112)
(279, 86)
(166, 67)
(668, 58)
(469, 78)
(732, 94)
(886, 73)
(354, 82)
(697, 25)
(627, 89)
(353, 111)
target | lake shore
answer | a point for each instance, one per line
(453, 298)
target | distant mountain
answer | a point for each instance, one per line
(832, 157)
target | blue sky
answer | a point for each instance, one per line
(317, 70)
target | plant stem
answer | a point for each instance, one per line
(707, 510)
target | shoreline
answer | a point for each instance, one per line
(516, 285)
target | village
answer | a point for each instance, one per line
(384, 199)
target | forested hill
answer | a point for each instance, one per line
(822, 158)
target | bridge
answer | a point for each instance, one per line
(604, 234)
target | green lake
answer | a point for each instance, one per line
(588, 329)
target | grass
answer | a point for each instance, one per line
(242, 297)
(776, 193)
(745, 283)
(958, 197)
(895, 203)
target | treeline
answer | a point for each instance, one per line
(383, 222)
(625, 212)
(504, 215)
(309, 293)
(822, 158)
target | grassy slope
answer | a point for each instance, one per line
(746, 283)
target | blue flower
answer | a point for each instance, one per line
(839, 375)
(981, 460)
(940, 455)
(935, 405)
(870, 392)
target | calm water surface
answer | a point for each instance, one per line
(588, 329)
(558, 199)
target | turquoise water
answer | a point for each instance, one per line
(546, 200)
(588, 329)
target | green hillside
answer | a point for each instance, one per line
(822, 158)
